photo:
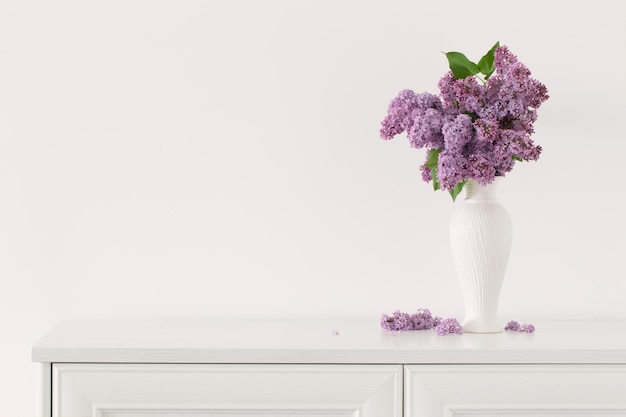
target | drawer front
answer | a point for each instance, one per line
(168, 390)
(515, 390)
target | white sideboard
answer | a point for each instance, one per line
(327, 368)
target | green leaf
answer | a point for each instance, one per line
(457, 190)
(517, 158)
(472, 116)
(436, 185)
(432, 161)
(461, 66)
(486, 62)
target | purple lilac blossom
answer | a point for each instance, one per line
(482, 168)
(479, 128)
(512, 326)
(449, 326)
(487, 129)
(404, 109)
(427, 174)
(399, 321)
(452, 169)
(427, 130)
(468, 95)
(394, 322)
(458, 134)
(399, 114)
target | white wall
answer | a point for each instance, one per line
(205, 158)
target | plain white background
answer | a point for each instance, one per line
(213, 158)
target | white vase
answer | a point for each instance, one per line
(480, 238)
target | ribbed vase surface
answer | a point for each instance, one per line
(480, 238)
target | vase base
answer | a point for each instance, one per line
(474, 326)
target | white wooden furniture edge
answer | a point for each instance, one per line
(323, 341)
(442, 375)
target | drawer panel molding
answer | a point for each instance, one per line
(202, 390)
(515, 390)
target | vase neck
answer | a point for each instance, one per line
(476, 192)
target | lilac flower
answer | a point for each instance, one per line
(427, 174)
(512, 326)
(423, 319)
(480, 130)
(487, 129)
(467, 95)
(428, 101)
(458, 133)
(503, 58)
(403, 110)
(399, 114)
(447, 91)
(527, 328)
(452, 169)
(482, 168)
(521, 145)
(399, 321)
(449, 326)
(427, 129)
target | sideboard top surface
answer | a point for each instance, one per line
(322, 341)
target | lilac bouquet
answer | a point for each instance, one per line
(478, 126)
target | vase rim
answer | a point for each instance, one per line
(496, 179)
(478, 192)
